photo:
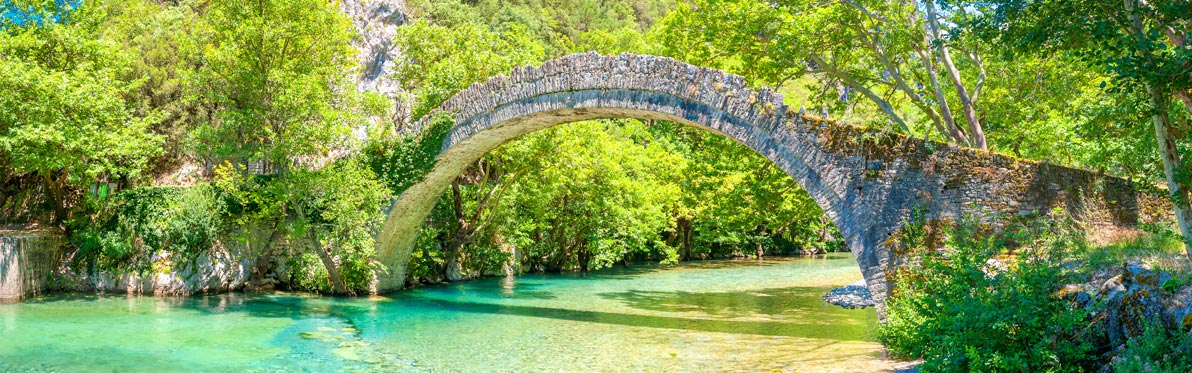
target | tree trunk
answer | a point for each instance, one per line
(584, 257)
(338, 286)
(454, 270)
(684, 239)
(57, 197)
(1177, 184)
(263, 259)
(976, 133)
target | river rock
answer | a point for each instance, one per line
(855, 295)
(1178, 313)
(1132, 300)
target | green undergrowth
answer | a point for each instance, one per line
(1159, 246)
(980, 300)
(128, 232)
(959, 313)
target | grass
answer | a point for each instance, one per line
(1159, 247)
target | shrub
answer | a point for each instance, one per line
(959, 313)
(131, 229)
(1156, 350)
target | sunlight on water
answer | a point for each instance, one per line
(710, 316)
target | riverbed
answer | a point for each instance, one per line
(739, 315)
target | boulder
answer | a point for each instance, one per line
(1132, 300)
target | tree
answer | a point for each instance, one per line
(65, 120)
(1143, 45)
(891, 52)
(594, 194)
(339, 211)
(441, 61)
(164, 40)
(278, 74)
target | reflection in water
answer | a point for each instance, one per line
(707, 316)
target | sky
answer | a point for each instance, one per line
(23, 15)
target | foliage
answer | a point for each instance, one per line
(25, 13)
(959, 313)
(1158, 350)
(601, 195)
(165, 41)
(65, 120)
(735, 201)
(139, 226)
(341, 207)
(1144, 46)
(558, 24)
(277, 73)
(441, 61)
(330, 215)
(403, 161)
(890, 53)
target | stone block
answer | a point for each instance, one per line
(27, 260)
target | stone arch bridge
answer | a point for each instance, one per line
(866, 181)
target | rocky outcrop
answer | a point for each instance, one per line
(1123, 300)
(215, 271)
(376, 24)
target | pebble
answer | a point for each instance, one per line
(855, 295)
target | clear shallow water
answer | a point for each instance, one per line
(708, 316)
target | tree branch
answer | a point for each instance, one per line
(977, 134)
(881, 103)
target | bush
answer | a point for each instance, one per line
(959, 313)
(1157, 350)
(131, 229)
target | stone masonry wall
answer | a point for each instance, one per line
(27, 260)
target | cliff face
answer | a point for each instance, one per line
(376, 24)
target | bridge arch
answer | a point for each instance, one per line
(867, 182)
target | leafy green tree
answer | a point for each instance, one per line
(278, 73)
(557, 24)
(595, 193)
(339, 211)
(441, 61)
(65, 120)
(1143, 45)
(894, 53)
(733, 199)
(165, 40)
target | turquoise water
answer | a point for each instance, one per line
(709, 316)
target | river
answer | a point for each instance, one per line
(742, 315)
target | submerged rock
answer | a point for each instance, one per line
(855, 295)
